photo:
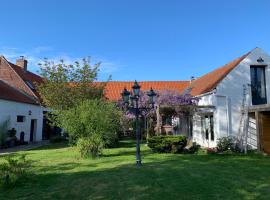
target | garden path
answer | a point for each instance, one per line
(23, 147)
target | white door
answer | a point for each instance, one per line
(208, 130)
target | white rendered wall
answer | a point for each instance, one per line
(10, 110)
(228, 97)
(232, 87)
(198, 134)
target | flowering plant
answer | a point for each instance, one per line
(212, 150)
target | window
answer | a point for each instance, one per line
(20, 118)
(30, 85)
(191, 127)
(258, 86)
(208, 127)
(212, 128)
(166, 120)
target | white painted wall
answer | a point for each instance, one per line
(198, 134)
(228, 96)
(10, 110)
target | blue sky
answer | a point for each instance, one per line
(136, 39)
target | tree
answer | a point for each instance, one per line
(169, 103)
(66, 85)
(93, 124)
(173, 104)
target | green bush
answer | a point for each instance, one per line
(12, 132)
(12, 141)
(90, 146)
(12, 170)
(92, 119)
(58, 138)
(3, 133)
(194, 148)
(167, 144)
(229, 143)
(211, 150)
(111, 140)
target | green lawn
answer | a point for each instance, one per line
(58, 173)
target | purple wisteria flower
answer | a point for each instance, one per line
(180, 103)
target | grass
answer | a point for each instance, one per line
(57, 172)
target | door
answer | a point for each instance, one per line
(265, 137)
(208, 130)
(33, 130)
(258, 86)
(46, 129)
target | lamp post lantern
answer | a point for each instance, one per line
(136, 88)
(152, 96)
(132, 104)
(125, 95)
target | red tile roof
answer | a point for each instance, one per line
(27, 76)
(8, 92)
(209, 81)
(113, 89)
(19, 78)
(201, 85)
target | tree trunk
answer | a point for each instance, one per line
(158, 120)
(147, 129)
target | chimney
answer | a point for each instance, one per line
(22, 62)
(192, 78)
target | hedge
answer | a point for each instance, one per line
(167, 144)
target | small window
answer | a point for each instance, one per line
(20, 118)
(30, 85)
(166, 120)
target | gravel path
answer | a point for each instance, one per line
(23, 147)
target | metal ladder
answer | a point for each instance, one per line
(244, 122)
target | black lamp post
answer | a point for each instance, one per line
(152, 96)
(131, 102)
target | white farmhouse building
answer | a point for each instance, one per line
(223, 108)
(19, 102)
(235, 102)
(23, 113)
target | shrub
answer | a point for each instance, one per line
(194, 148)
(56, 139)
(167, 144)
(90, 146)
(12, 132)
(111, 140)
(226, 144)
(12, 141)
(13, 169)
(92, 119)
(211, 150)
(3, 133)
